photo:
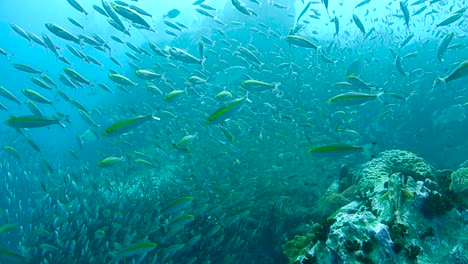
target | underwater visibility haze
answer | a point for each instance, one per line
(238, 131)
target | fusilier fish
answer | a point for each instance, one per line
(122, 80)
(127, 125)
(62, 33)
(31, 121)
(225, 111)
(443, 44)
(300, 42)
(35, 96)
(353, 98)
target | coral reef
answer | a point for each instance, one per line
(459, 181)
(402, 211)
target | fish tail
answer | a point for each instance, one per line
(277, 85)
(203, 62)
(438, 81)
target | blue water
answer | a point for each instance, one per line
(251, 174)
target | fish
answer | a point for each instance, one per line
(399, 66)
(204, 12)
(443, 44)
(184, 141)
(110, 161)
(304, 10)
(363, 3)
(76, 76)
(336, 21)
(240, 7)
(8, 95)
(35, 96)
(300, 42)
(259, 86)
(31, 121)
(122, 80)
(177, 205)
(18, 30)
(459, 72)
(405, 11)
(184, 56)
(356, 68)
(131, 15)
(62, 33)
(138, 248)
(353, 98)
(406, 40)
(336, 149)
(26, 68)
(172, 94)
(225, 111)
(127, 125)
(7, 227)
(74, 22)
(173, 13)
(452, 18)
(359, 24)
(172, 25)
(77, 6)
(147, 75)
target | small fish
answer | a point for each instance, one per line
(131, 15)
(240, 7)
(184, 141)
(300, 42)
(359, 24)
(35, 96)
(459, 72)
(122, 80)
(338, 149)
(138, 248)
(26, 68)
(443, 44)
(365, 2)
(110, 161)
(173, 13)
(77, 6)
(8, 95)
(62, 33)
(74, 22)
(7, 227)
(304, 10)
(32, 121)
(20, 31)
(259, 86)
(353, 98)
(225, 111)
(128, 125)
(454, 17)
(177, 205)
(76, 76)
(406, 14)
(204, 12)
(173, 94)
(182, 55)
(147, 75)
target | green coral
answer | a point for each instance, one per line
(459, 183)
(297, 247)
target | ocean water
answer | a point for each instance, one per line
(218, 151)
